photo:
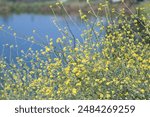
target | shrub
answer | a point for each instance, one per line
(112, 66)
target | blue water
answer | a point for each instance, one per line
(24, 24)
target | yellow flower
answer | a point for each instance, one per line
(67, 82)
(47, 49)
(83, 17)
(101, 95)
(78, 84)
(57, 3)
(112, 50)
(84, 60)
(99, 9)
(126, 94)
(69, 57)
(78, 74)
(108, 96)
(108, 83)
(75, 70)
(107, 63)
(64, 49)
(67, 70)
(135, 21)
(58, 92)
(98, 24)
(74, 91)
(76, 49)
(142, 91)
(58, 40)
(103, 79)
(51, 43)
(106, 69)
(48, 91)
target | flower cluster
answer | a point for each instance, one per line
(111, 62)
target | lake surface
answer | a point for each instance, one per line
(18, 29)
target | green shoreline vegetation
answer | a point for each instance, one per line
(8, 6)
(38, 7)
(115, 66)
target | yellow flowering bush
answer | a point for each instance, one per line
(112, 62)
